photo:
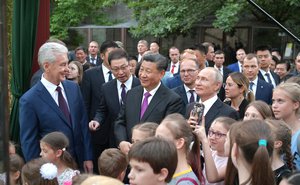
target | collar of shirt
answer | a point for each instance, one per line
(152, 92)
(128, 84)
(51, 88)
(105, 72)
(209, 103)
(240, 65)
(186, 88)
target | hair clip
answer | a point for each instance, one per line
(262, 142)
(48, 171)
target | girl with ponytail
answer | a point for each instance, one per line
(252, 148)
(175, 128)
(282, 134)
(54, 149)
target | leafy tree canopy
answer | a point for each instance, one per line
(162, 18)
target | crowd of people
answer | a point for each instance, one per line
(100, 111)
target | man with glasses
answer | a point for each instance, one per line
(189, 69)
(113, 97)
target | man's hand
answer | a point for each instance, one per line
(94, 125)
(124, 146)
(88, 166)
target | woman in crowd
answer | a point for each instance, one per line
(75, 72)
(237, 93)
(258, 110)
(174, 127)
(286, 103)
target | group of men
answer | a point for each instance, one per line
(111, 100)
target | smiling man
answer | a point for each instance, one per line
(151, 101)
(55, 104)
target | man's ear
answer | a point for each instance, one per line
(163, 174)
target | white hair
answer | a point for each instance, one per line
(49, 51)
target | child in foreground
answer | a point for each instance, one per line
(152, 161)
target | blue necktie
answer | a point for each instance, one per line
(269, 78)
(109, 76)
(251, 86)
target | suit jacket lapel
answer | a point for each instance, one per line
(71, 101)
(114, 93)
(48, 99)
(157, 98)
(213, 111)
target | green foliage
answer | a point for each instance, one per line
(164, 18)
(67, 13)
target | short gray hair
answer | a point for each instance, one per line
(49, 51)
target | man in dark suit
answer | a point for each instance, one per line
(238, 66)
(94, 78)
(151, 101)
(92, 82)
(189, 69)
(93, 58)
(111, 100)
(219, 60)
(261, 89)
(264, 56)
(55, 104)
(208, 83)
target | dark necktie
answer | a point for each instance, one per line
(173, 67)
(63, 104)
(123, 93)
(192, 98)
(93, 60)
(145, 103)
(269, 78)
(251, 86)
(109, 76)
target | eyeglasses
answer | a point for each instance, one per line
(122, 68)
(189, 71)
(218, 135)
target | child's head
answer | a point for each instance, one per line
(152, 161)
(176, 128)
(39, 172)
(78, 179)
(282, 140)
(258, 110)
(143, 130)
(113, 163)
(217, 133)
(53, 148)
(15, 167)
(101, 180)
(11, 148)
(286, 100)
(253, 147)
